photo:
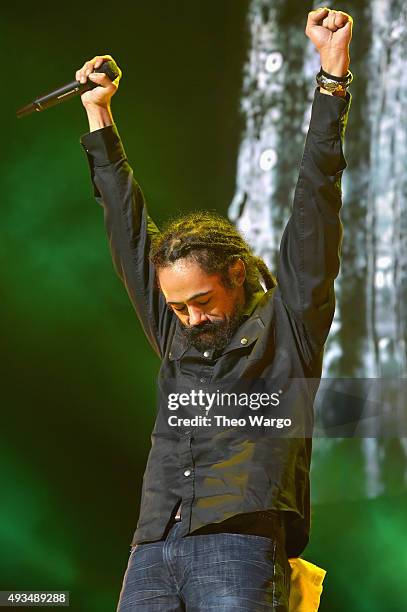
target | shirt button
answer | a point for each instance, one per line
(202, 380)
(244, 340)
(187, 473)
(206, 354)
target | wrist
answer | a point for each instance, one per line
(336, 65)
(98, 116)
(334, 85)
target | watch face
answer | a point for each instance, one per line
(329, 85)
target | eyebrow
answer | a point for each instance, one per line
(193, 297)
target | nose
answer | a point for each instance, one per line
(196, 316)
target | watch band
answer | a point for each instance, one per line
(334, 83)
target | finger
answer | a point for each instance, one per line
(316, 17)
(342, 19)
(119, 72)
(348, 28)
(101, 79)
(88, 67)
(325, 22)
(331, 21)
(99, 59)
(82, 73)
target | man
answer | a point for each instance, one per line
(221, 513)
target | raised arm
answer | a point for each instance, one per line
(128, 225)
(310, 246)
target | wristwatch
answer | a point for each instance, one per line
(333, 83)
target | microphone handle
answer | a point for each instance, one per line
(65, 92)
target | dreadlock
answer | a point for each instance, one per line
(214, 244)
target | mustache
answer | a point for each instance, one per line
(213, 334)
(207, 326)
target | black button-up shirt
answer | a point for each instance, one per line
(218, 479)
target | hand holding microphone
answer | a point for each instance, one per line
(97, 100)
(104, 87)
(97, 81)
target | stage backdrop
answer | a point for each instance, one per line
(213, 110)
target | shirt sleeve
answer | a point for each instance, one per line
(309, 255)
(129, 229)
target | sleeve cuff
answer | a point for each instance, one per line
(103, 146)
(329, 113)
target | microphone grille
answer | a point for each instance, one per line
(109, 67)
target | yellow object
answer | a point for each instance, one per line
(305, 585)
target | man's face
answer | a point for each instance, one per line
(209, 311)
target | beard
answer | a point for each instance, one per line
(214, 334)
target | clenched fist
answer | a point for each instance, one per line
(331, 33)
(102, 94)
(97, 100)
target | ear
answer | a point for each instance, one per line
(237, 272)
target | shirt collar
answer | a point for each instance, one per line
(252, 303)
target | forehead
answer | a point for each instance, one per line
(184, 279)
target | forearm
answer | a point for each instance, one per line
(129, 228)
(98, 116)
(128, 225)
(309, 252)
(323, 162)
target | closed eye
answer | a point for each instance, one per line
(172, 307)
(182, 308)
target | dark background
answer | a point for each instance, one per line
(78, 375)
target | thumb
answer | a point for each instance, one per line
(348, 27)
(100, 78)
(315, 17)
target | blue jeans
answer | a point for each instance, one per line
(222, 572)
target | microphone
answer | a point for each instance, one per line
(66, 92)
